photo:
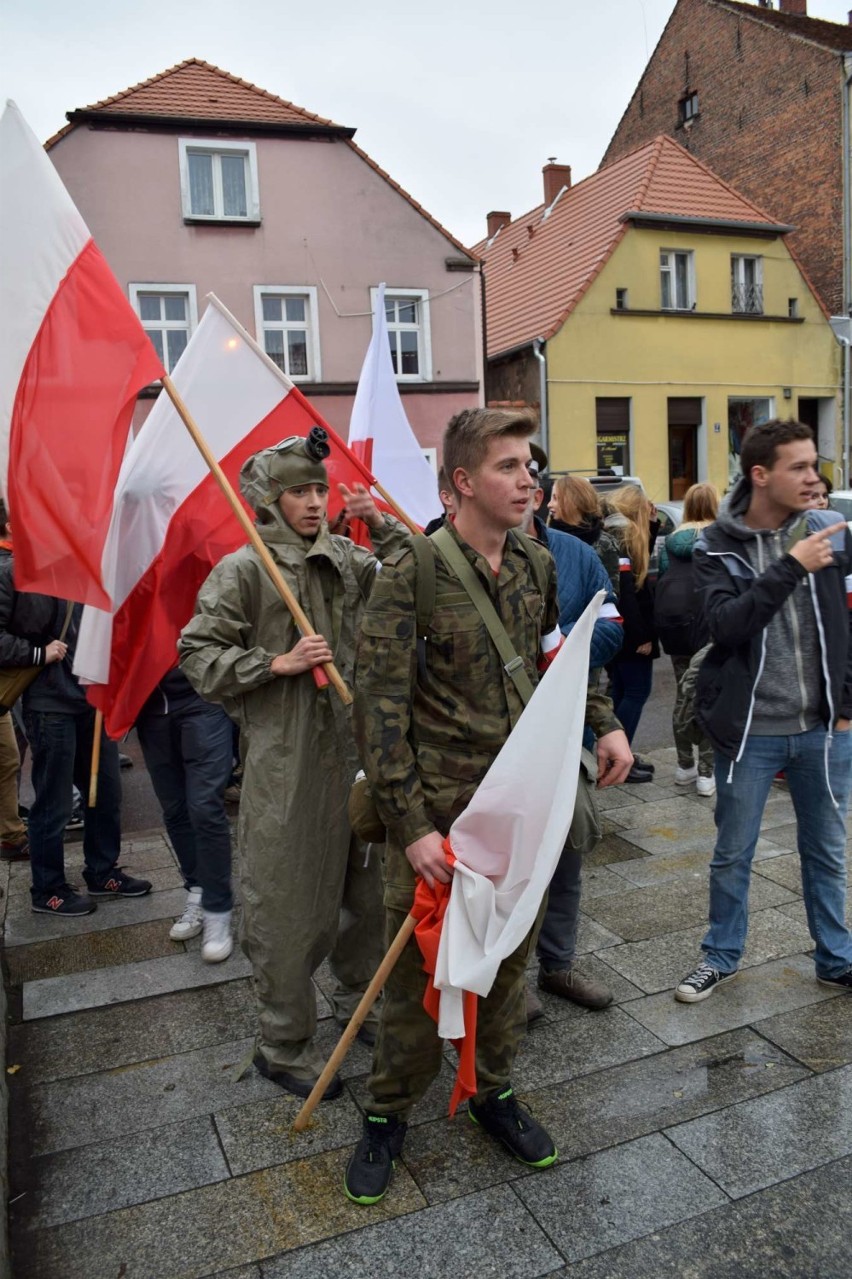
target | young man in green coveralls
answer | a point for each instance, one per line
(427, 733)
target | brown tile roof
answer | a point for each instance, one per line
(196, 90)
(538, 268)
(832, 35)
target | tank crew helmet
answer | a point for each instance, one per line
(294, 461)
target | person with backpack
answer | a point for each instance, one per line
(682, 631)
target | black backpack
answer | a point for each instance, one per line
(678, 615)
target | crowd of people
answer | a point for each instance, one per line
(750, 603)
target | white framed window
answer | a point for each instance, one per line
(218, 181)
(286, 323)
(746, 284)
(169, 315)
(407, 314)
(677, 280)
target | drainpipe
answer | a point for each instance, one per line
(846, 405)
(537, 346)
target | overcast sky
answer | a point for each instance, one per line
(462, 101)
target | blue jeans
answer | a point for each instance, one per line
(557, 938)
(632, 678)
(821, 840)
(61, 745)
(189, 756)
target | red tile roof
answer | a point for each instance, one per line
(832, 35)
(196, 90)
(538, 268)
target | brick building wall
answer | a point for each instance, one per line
(769, 122)
(514, 380)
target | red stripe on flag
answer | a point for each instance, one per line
(203, 529)
(69, 430)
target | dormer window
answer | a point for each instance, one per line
(687, 108)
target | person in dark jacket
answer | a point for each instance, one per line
(631, 524)
(775, 692)
(60, 727)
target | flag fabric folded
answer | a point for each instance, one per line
(171, 522)
(379, 432)
(73, 356)
(508, 840)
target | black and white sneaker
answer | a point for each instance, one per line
(844, 981)
(369, 1169)
(701, 983)
(502, 1118)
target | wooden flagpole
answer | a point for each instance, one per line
(369, 997)
(298, 613)
(397, 510)
(96, 759)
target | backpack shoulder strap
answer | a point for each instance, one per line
(424, 582)
(536, 562)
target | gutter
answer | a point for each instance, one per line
(537, 346)
(641, 217)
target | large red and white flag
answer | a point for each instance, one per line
(171, 522)
(506, 845)
(73, 356)
(379, 432)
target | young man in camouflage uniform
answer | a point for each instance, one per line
(428, 731)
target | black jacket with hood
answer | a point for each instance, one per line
(740, 602)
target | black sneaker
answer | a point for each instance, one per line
(64, 902)
(844, 981)
(369, 1170)
(701, 983)
(502, 1118)
(15, 851)
(118, 884)
(292, 1083)
(643, 765)
(124, 761)
(77, 819)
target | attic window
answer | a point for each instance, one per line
(621, 299)
(218, 181)
(687, 108)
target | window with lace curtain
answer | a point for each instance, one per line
(169, 315)
(218, 181)
(287, 329)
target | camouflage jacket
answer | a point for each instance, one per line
(428, 731)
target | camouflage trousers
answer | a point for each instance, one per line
(408, 1052)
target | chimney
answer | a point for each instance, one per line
(496, 221)
(795, 6)
(556, 176)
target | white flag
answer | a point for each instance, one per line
(378, 420)
(508, 840)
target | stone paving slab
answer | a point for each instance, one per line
(664, 816)
(122, 1034)
(24, 928)
(610, 1197)
(796, 910)
(756, 993)
(660, 963)
(644, 1096)
(820, 1036)
(611, 850)
(798, 1230)
(757, 1143)
(65, 955)
(552, 1052)
(73, 1184)
(203, 1231)
(591, 936)
(490, 1233)
(649, 912)
(260, 1134)
(126, 982)
(148, 1094)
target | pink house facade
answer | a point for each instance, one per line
(196, 182)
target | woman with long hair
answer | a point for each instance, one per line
(689, 634)
(633, 525)
(575, 508)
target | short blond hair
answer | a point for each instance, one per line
(470, 432)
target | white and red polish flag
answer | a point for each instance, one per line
(508, 840)
(73, 356)
(171, 522)
(380, 434)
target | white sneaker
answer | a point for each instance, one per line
(705, 786)
(189, 924)
(218, 942)
(685, 776)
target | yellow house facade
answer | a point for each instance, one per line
(684, 319)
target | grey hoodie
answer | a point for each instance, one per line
(787, 696)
